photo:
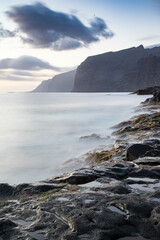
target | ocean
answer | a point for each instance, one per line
(46, 134)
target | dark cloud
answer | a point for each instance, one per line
(4, 33)
(26, 63)
(45, 28)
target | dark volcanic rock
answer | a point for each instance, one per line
(148, 148)
(6, 190)
(137, 150)
(145, 173)
(150, 161)
(155, 98)
(30, 189)
(156, 194)
(148, 91)
(119, 71)
(153, 142)
(6, 225)
(153, 153)
(78, 177)
(119, 189)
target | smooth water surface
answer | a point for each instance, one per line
(39, 132)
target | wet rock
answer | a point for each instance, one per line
(156, 194)
(148, 161)
(43, 188)
(145, 173)
(148, 91)
(120, 189)
(139, 126)
(147, 148)
(98, 157)
(137, 150)
(20, 187)
(90, 220)
(156, 96)
(6, 190)
(29, 189)
(123, 124)
(153, 153)
(78, 177)
(6, 225)
(155, 217)
(124, 130)
(119, 143)
(152, 142)
(119, 172)
(137, 205)
(92, 136)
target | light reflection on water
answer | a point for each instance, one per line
(39, 132)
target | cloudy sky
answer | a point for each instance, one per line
(40, 39)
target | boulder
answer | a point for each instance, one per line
(137, 150)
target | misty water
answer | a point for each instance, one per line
(40, 132)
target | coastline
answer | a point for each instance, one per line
(117, 197)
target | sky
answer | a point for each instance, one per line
(40, 39)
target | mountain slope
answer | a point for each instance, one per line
(60, 83)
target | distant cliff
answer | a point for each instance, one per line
(146, 73)
(63, 82)
(125, 70)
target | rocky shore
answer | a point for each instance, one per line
(117, 198)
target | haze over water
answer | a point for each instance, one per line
(39, 132)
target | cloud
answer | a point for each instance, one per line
(4, 33)
(149, 37)
(10, 77)
(43, 28)
(21, 75)
(26, 63)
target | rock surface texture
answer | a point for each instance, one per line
(126, 70)
(116, 198)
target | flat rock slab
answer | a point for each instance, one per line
(151, 161)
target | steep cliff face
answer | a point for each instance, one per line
(109, 72)
(146, 73)
(60, 83)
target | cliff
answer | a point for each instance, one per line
(60, 83)
(146, 73)
(125, 70)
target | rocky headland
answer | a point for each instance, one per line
(116, 198)
(63, 82)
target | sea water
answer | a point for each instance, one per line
(39, 132)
